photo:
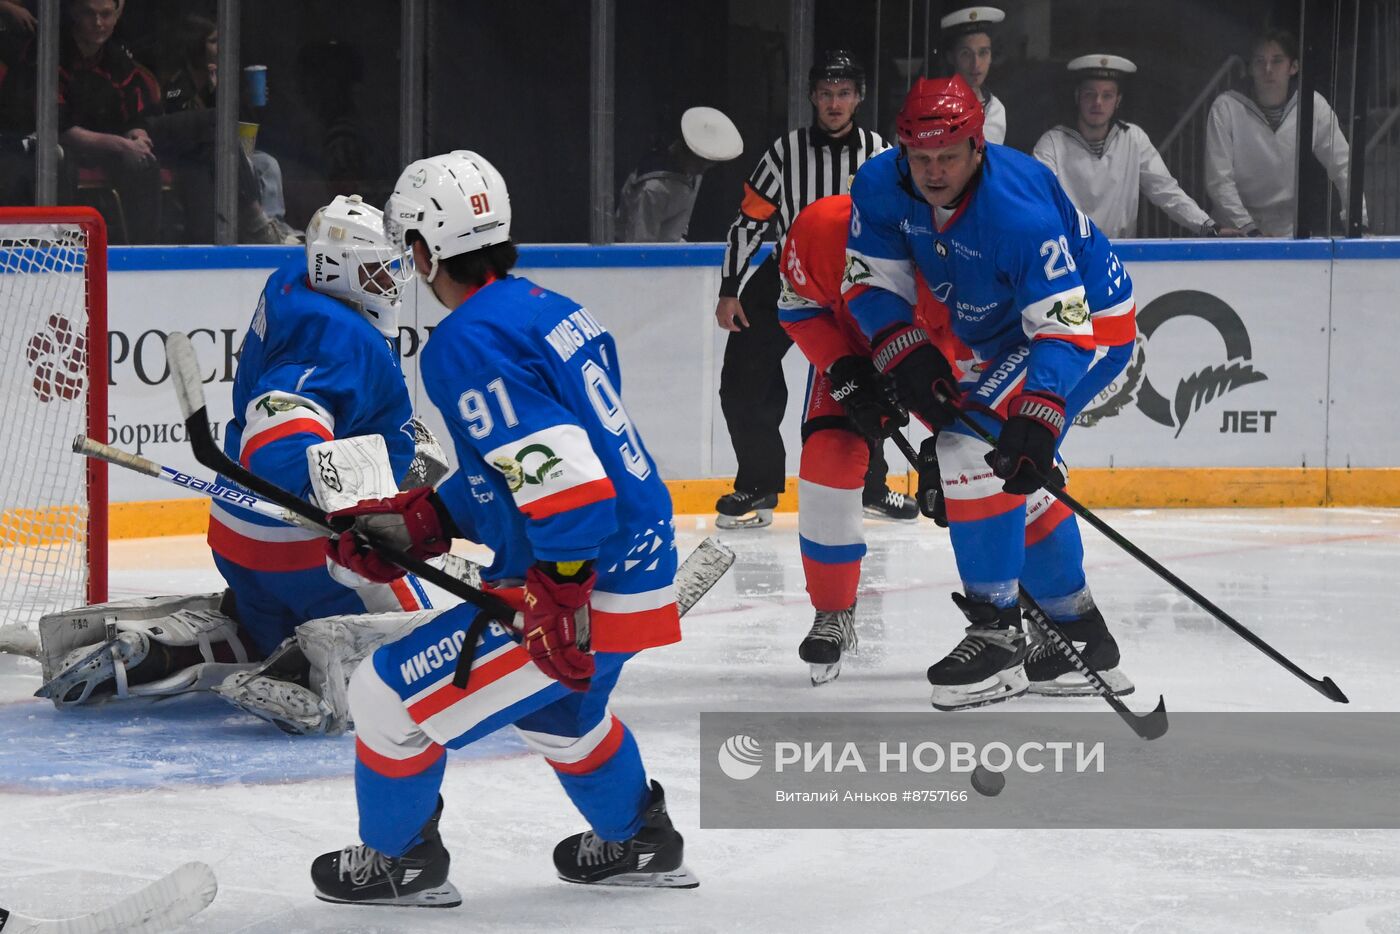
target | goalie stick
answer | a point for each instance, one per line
(1324, 686)
(467, 571)
(166, 902)
(1148, 725)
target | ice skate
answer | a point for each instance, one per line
(96, 670)
(832, 635)
(360, 875)
(291, 707)
(743, 509)
(986, 667)
(887, 504)
(1052, 673)
(654, 858)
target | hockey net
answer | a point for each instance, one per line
(53, 386)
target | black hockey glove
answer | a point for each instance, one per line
(930, 498)
(1025, 453)
(920, 373)
(867, 397)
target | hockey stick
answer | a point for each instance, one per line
(467, 571)
(1148, 725)
(189, 389)
(1324, 686)
(170, 900)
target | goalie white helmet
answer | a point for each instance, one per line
(457, 202)
(348, 257)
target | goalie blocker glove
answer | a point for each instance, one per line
(920, 372)
(412, 522)
(867, 397)
(1025, 453)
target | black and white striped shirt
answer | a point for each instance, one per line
(797, 169)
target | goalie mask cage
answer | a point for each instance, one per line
(53, 343)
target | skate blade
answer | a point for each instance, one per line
(824, 674)
(1003, 686)
(871, 512)
(444, 896)
(681, 878)
(750, 520)
(1072, 684)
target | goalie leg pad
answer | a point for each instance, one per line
(61, 633)
(335, 645)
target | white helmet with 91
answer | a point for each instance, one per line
(457, 202)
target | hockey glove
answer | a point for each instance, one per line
(409, 522)
(930, 498)
(556, 626)
(867, 397)
(920, 373)
(1025, 453)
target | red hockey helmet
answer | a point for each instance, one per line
(938, 112)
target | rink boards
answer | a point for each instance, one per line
(1262, 374)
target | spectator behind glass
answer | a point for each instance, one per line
(1103, 162)
(17, 26)
(1252, 144)
(190, 81)
(967, 37)
(659, 196)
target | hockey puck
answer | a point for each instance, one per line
(988, 782)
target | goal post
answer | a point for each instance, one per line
(53, 386)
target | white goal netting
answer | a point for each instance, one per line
(45, 394)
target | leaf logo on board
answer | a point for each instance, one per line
(1194, 389)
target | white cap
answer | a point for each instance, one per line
(971, 19)
(711, 135)
(1100, 65)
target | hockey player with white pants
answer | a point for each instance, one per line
(321, 409)
(1034, 290)
(554, 478)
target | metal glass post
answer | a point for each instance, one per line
(601, 146)
(801, 35)
(46, 105)
(226, 154)
(413, 21)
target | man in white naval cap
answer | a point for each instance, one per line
(658, 198)
(967, 39)
(1104, 162)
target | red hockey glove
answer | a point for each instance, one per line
(409, 522)
(1036, 421)
(920, 373)
(556, 627)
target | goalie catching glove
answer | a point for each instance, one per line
(921, 373)
(556, 624)
(867, 396)
(1025, 453)
(413, 522)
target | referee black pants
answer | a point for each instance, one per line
(753, 393)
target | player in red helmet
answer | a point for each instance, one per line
(1034, 289)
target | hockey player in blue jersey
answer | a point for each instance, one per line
(1038, 294)
(318, 385)
(318, 377)
(554, 478)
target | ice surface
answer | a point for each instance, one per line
(94, 803)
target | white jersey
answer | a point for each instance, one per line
(656, 206)
(1251, 169)
(1106, 187)
(994, 124)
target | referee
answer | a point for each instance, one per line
(796, 170)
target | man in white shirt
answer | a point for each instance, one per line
(1103, 162)
(659, 196)
(1252, 144)
(967, 37)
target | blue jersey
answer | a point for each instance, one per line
(550, 466)
(1016, 263)
(311, 369)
